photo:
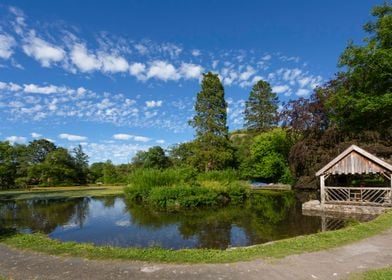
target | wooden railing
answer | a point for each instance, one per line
(362, 196)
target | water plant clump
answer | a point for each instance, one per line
(182, 188)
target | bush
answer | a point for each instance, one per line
(182, 197)
(178, 188)
(142, 181)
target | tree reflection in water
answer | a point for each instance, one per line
(118, 222)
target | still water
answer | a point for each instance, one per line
(115, 221)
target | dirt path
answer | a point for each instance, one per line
(336, 263)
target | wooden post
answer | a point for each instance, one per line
(390, 195)
(323, 222)
(322, 189)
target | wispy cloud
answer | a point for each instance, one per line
(41, 50)
(137, 138)
(72, 137)
(7, 44)
(147, 60)
(36, 135)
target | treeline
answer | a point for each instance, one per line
(286, 146)
(41, 163)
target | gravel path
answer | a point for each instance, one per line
(374, 252)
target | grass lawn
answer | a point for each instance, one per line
(278, 249)
(61, 192)
(376, 274)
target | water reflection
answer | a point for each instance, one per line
(117, 222)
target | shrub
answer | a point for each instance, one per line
(182, 197)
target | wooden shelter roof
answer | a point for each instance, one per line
(355, 160)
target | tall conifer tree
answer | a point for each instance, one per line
(213, 149)
(261, 109)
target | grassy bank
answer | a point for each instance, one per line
(375, 274)
(61, 192)
(278, 249)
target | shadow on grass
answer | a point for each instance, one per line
(6, 233)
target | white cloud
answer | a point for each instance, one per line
(122, 136)
(16, 139)
(304, 81)
(141, 139)
(72, 137)
(162, 70)
(302, 92)
(142, 49)
(42, 51)
(191, 71)
(125, 137)
(7, 43)
(83, 59)
(117, 152)
(280, 88)
(35, 135)
(137, 69)
(266, 57)
(160, 141)
(196, 52)
(173, 50)
(32, 88)
(113, 63)
(153, 103)
(250, 71)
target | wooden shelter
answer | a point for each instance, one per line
(355, 160)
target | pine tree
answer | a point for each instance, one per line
(210, 108)
(261, 109)
(212, 146)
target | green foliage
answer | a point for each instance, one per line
(39, 149)
(180, 188)
(373, 274)
(182, 197)
(363, 94)
(155, 157)
(111, 174)
(180, 154)
(7, 166)
(268, 157)
(57, 169)
(96, 172)
(81, 164)
(261, 108)
(142, 181)
(222, 176)
(212, 149)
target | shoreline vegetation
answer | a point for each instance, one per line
(185, 188)
(62, 192)
(278, 249)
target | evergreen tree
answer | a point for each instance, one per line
(212, 147)
(261, 108)
(81, 164)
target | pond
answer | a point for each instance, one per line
(114, 221)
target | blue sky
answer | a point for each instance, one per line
(122, 76)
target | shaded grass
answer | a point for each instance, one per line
(278, 249)
(61, 192)
(375, 274)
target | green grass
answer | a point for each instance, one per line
(278, 249)
(61, 192)
(375, 274)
